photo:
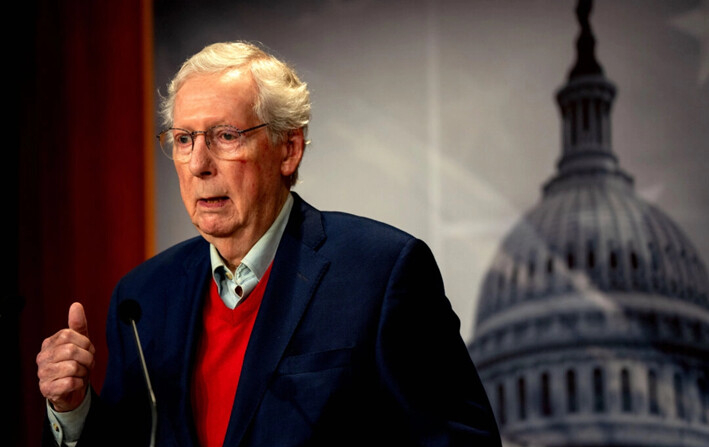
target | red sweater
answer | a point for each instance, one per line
(220, 356)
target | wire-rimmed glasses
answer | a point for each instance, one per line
(224, 141)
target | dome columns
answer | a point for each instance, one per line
(585, 105)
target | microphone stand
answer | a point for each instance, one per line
(153, 403)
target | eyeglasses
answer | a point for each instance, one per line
(224, 141)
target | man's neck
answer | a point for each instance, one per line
(233, 248)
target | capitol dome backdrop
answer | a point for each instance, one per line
(586, 314)
(567, 209)
(593, 322)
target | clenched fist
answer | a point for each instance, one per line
(65, 363)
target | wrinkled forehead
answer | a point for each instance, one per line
(227, 75)
(220, 96)
(232, 78)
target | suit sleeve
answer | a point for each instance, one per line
(423, 362)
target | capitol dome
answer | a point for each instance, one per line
(592, 327)
(592, 234)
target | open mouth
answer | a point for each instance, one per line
(213, 201)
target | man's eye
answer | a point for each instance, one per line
(227, 136)
(183, 139)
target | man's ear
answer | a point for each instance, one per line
(294, 147)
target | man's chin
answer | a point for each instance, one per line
(214, 232)
(211, 237)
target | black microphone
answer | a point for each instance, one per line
(129, 312)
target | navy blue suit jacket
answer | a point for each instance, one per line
(354, 344)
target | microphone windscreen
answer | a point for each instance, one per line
(129, 310)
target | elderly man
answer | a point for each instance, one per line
(281, 325)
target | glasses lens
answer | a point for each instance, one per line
(225, 141)
(165, 139)
(176, 144)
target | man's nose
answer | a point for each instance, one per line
(201, 162)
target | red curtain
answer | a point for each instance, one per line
(84, 190)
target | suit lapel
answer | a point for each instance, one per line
(297, 271)
(188, 299)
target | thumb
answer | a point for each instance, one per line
(77, 319)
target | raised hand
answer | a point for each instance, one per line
(65, 363)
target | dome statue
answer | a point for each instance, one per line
(593, 322)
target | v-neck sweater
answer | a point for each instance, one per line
(220, 357)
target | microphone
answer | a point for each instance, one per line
(129, 312)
